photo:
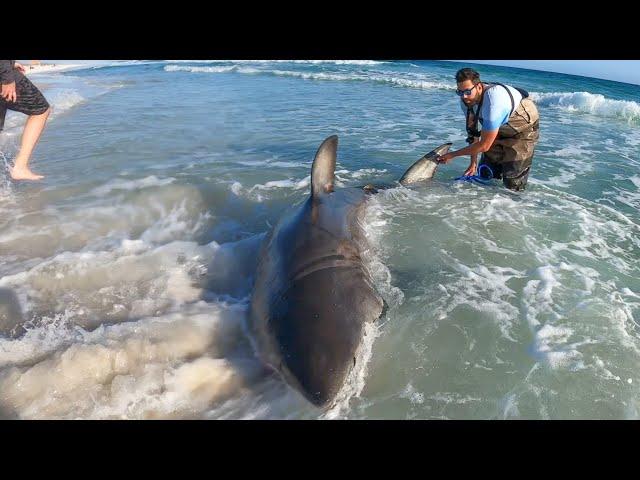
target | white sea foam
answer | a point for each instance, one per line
(591, 103)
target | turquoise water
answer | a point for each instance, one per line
(125, 275)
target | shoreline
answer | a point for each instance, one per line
(49, 67)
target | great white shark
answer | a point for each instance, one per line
(312, 294)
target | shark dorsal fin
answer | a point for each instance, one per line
(324, 167)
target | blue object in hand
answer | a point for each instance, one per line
(477, 177)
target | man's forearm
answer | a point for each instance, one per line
(472, 150)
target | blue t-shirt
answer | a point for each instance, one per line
(496, 106)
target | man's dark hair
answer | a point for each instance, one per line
(467, 74)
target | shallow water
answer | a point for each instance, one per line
(126, 275)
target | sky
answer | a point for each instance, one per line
(627, 71)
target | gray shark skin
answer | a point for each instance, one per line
(312, 293)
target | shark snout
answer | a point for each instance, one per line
(442, 149)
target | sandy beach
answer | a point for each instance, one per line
(49, 67)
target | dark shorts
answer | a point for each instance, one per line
(30, 100)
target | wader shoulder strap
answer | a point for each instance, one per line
(513, 104)
(472, 131)
(522, 92)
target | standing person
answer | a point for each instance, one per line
(19, 94)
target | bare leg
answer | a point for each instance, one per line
(32, 130)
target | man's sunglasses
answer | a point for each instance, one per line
(467, 92)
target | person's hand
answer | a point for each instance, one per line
(471, 170)
(19, 67)
(446, 158)
(9, 92)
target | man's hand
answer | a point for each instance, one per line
(471, 170)
(446, 158)
(19, 67)
(9, 92)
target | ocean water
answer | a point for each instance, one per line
(126, 275)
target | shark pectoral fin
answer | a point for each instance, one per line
(324, 166)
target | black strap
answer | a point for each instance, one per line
(473, 130)
(513, 104)
(523, 92)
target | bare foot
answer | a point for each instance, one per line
(24, 174)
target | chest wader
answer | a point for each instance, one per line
(511, 154)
